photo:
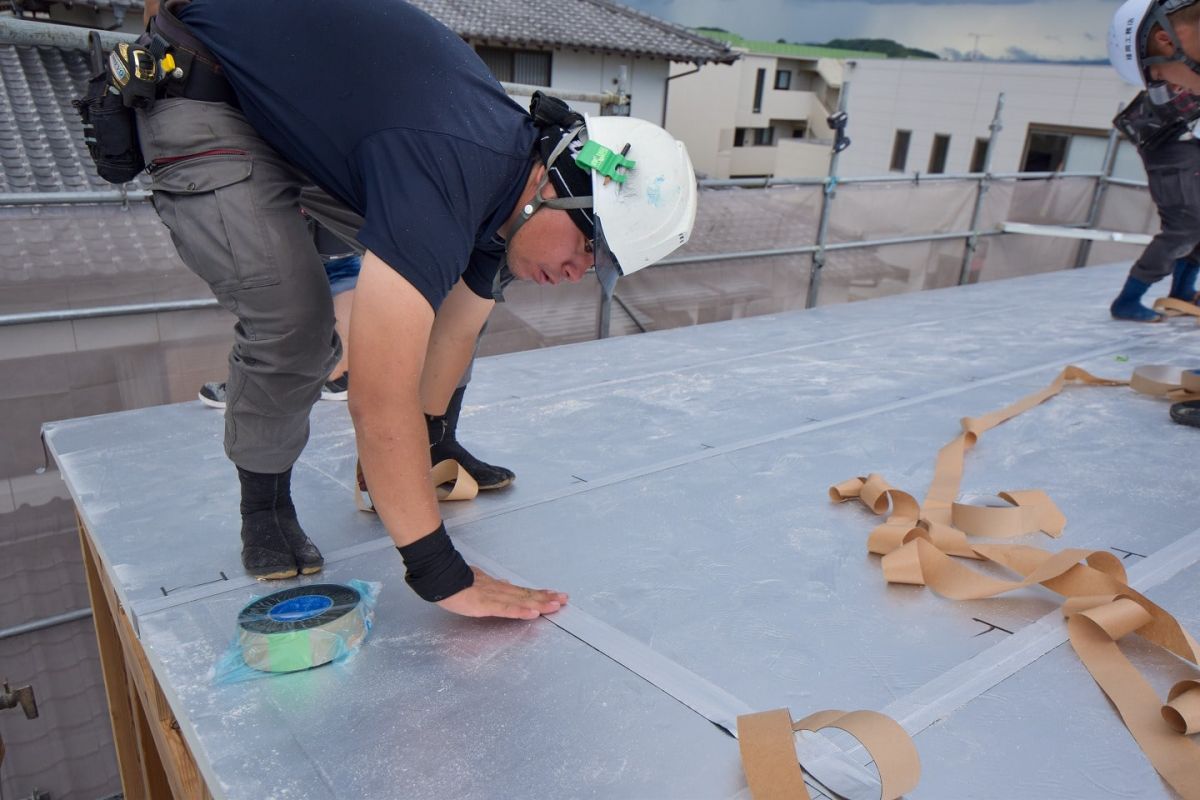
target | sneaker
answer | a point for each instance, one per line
(337, 388)
(213, 395)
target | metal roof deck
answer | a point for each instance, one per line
(675, 484)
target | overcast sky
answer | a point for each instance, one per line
(1056, 29)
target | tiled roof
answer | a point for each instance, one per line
(594, 25)
(44, 5)
(41, 138)
(762, 47)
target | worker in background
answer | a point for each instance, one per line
(1155, 44)
(419, 156)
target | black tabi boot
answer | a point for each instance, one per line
(274, 546)
(443, 444)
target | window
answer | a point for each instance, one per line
(937, 153)
(758, 90)
(783, 79)
(517, 66)
(753, 137)
(1045, 151)
(900, 150)
(1058, 148)
(979, 156)
(799, 130)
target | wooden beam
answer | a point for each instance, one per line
(159, 762)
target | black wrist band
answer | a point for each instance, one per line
(435, 569)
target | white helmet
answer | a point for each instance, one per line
(1129, 35)
(627, 183)
(650, 214)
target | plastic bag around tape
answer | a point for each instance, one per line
(297, 629)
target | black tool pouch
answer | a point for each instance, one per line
(549, 110)
(1148, 125)
(109, 128)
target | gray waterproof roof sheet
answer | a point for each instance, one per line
(675, 484)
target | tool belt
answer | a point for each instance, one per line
(197, 74)
(166, 61)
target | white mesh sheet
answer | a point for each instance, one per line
(887, 210)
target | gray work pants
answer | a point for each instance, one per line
(1173, 172)
(232, 205)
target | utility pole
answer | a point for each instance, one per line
(975, 55)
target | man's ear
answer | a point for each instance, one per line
(1160, 43)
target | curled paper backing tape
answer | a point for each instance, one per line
(301, 627)
(1174, 383)
(453, 482)
(768, 747)
(1174, 307)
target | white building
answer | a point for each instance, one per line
(933, 116)
(578, 45)
(765, 114)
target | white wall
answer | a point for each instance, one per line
(959, 98)
(700, 113)
(705, 108)
(589, 72)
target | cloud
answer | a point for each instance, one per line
(1062, 29)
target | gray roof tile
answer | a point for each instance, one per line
(41, 137)
(595, 25)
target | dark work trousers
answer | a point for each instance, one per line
(232, 205)
(1173, 172)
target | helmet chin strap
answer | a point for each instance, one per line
(538, 200)
(1160, 15)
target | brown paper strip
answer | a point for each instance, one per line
(1100, 606)
(1176, 758)
(1174, 307)
(453, 482)
(450, 480)
(1030, 511)
(768, 747)
(1182, 711)
(1156, 380)
(889, 746)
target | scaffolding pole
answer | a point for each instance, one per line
(1110, 159)
(827, 198)
(985, 183)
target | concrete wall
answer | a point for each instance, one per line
(959, 99)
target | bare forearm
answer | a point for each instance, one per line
(451, 346)
(393, 445)
(389, 333)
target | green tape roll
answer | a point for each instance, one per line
(302, 627)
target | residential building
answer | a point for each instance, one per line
(766, 114)
(579, 45)
(923, 116)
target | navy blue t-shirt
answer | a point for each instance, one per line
(388, 110)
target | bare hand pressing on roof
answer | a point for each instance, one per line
(490, 597)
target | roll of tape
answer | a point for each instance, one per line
(301, 627)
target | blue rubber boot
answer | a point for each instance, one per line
(1128, 305)
(1183, 283)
